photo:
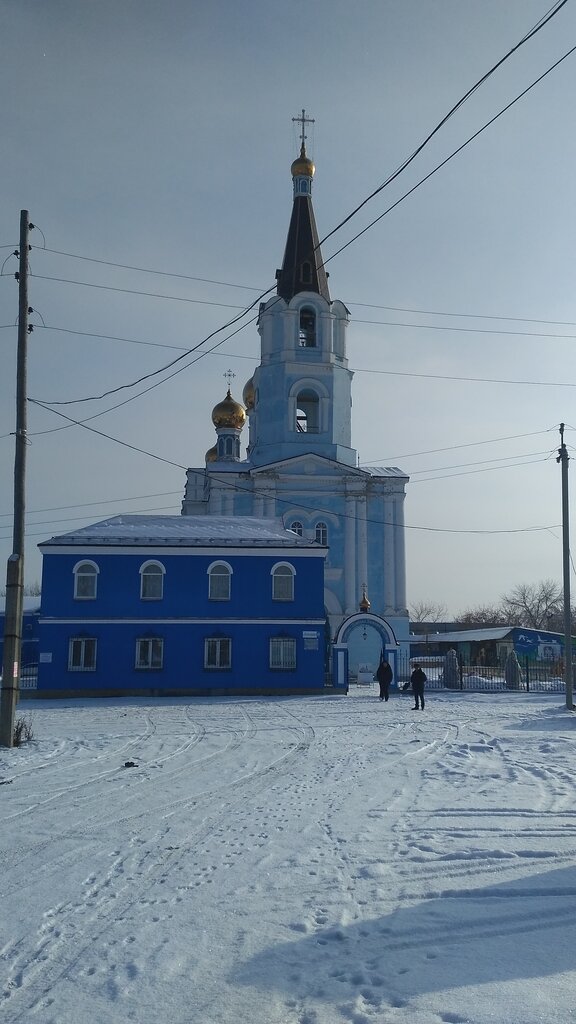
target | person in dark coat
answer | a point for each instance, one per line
(418, 678)
(384, 677)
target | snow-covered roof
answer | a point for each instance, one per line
(461, 635)
(187, 531)
(383, 471)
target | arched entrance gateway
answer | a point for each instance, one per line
(360, 639)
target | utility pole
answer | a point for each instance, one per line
(15, 567)
(563, 460)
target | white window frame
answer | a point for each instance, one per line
(213, 576)
(297, 528)
(149, 571)
(218, 653)
(92, 575)
(321, 534)
(281, 589)
(282, 654)
(149, 655)
(83, 663)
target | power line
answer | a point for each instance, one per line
(529, 35)
(466, 380)
(475, 316)
(377, 323)
(464, 330)
(132, 398)
(110, 337)
(455, 447)
(448, 158)
(89, 504)
(133, 291)
(146, 270)
(228, 284)
(489, 469)
(482, 462)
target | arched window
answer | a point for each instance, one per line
(297, 528)
(307, 412)
(151, 581)
(307, 328)
(283, 582)
(85, 581)
(321, 534)
(219, 575)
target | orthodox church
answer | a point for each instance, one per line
(300, 466)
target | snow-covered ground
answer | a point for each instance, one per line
(328, 860)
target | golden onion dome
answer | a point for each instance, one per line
(212, 454)
(302, 165)
(249, 394)
(229, 413)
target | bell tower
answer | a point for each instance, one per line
(299, 399)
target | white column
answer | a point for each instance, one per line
(362, 542)
(270, 507)
(215, 499)
(258, 504)
(390, 540)
(400, 538)
(350, 588)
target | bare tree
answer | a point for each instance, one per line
(484, 615)
(536, 605)
(30, 590)
(427, 611)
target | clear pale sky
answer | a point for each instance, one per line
(160, 136)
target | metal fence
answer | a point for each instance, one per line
(534, 677)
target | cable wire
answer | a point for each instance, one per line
(451, 156)
(529, 35)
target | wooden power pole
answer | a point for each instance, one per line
(15, 568)
(563, 460)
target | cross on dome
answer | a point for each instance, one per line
(303, 122)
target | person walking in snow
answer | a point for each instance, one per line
(418, 678)
(384, 677)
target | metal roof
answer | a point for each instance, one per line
(187, 531)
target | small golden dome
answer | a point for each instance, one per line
(302, 165)
(249, 394)
(364, 603)
(212, 454)
(229, 413)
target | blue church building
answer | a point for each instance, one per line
(181, 605)
(299, 465)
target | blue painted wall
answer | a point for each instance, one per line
(183, 618)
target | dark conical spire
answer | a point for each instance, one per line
(302, 269)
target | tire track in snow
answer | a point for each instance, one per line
(69, 929)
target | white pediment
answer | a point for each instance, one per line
(309, 465)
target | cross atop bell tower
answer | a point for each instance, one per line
(303, 122)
